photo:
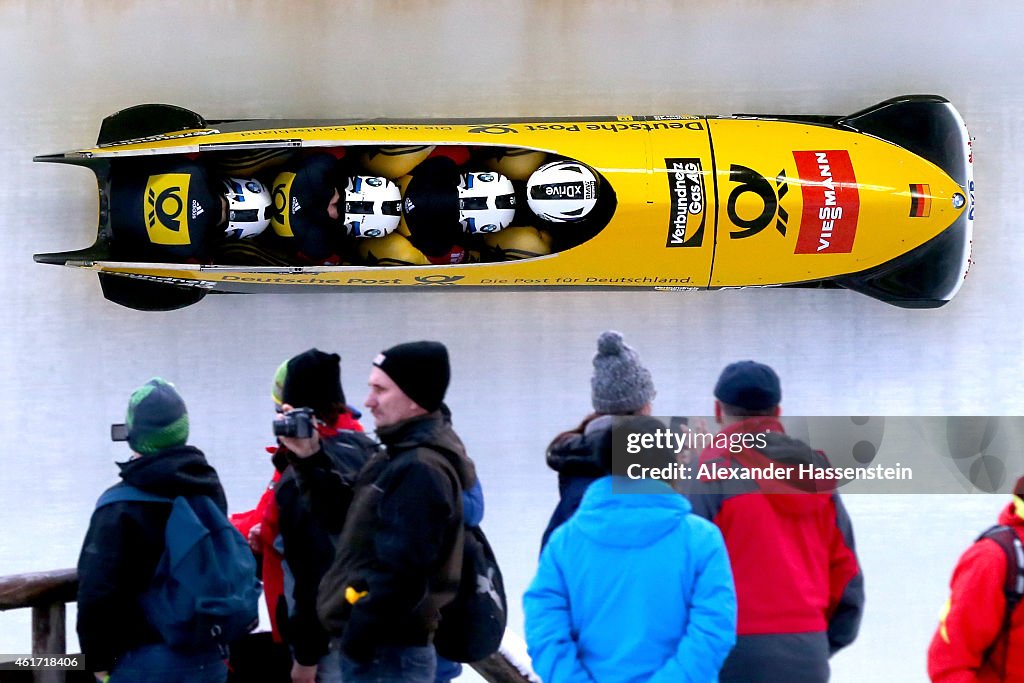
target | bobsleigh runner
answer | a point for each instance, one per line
(880, 202)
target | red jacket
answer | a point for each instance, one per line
(265, 514)
(962, 649)
(791, 551)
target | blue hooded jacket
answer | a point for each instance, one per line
(632, 588)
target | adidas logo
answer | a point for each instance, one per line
(409, 206)
(295, 205)
(197, 209)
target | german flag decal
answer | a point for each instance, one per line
(920, 200)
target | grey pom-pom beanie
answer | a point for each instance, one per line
(621, 384)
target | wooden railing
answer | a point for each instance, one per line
(46, 593)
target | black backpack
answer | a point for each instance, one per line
(473, 623)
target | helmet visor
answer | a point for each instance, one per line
(364, 208)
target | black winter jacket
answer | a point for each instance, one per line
(313, 497)
(123, 546)
(400, 539)
(580, 457)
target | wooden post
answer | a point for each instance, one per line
(49, 638)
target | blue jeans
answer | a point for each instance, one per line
(392, 665)
(158, 663)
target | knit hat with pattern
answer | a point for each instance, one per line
(156, 418)
(621, 384)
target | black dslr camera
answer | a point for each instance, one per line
(298, 424)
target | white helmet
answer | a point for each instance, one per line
(562, 191)
(372, 206)
(487, 202)
(249, 207)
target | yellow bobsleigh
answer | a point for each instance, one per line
(880, 201)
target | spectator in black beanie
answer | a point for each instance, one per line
(313, 380)
(312, 498)
(420, 371)
(396, 564)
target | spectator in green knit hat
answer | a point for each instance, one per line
(125, 543)
(157, 418)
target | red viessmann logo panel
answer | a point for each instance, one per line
(831, 202)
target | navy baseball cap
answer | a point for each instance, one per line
(749, 384)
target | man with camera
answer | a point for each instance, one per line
(325, 449)
(398, 560)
